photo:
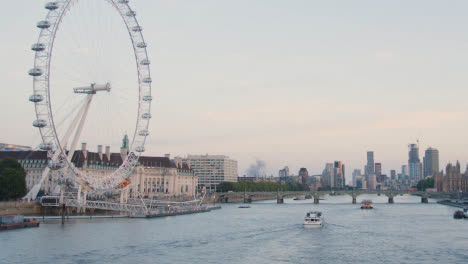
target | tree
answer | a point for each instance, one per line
(426, 183)
(12, 179)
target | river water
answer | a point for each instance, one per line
(404, 232)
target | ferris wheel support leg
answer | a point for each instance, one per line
(73, 125)
(78, 196)
(124, 196)
(80, 126)
(62, 189)
(32, 194)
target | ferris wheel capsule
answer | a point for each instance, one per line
(55, 165)
(145, 62)
(52, 5)
(43, 24)
(38, 47)
(140, 149)
(146, 116)
(141, 45)
(46, 146)
(147, 80)
(130, 13)
(35, 72)
(147, 98)
(123, 1)
(137, 28)
(143, 133)
(39, 123)
(35, 98)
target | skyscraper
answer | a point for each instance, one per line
(370, 163)
(404, 170)
(431, 162)
(284, 172)
(339, 174)
(304, 175)
(328, 175)
(414, 164)
(356, 174)
(378, 169)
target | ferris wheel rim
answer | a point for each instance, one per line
(41, 94)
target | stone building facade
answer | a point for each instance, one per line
(453, 180)
(152, 175)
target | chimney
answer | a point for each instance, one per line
(83, 149)
(99, 150)
(123, 153)
(167, 156)
(108, 152)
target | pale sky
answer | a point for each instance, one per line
(297, 83)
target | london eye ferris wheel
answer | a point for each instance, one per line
(64, 113)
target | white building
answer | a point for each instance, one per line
(153, 176)
(211, 169)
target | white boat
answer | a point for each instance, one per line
(302, 197)
(313, 219)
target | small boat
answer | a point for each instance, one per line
(16, 221)
(459, 214)
(366, 204)
(244, 206)
(302, 197)
(313, 219)
(308, 196)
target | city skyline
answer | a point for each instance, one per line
(300, 84)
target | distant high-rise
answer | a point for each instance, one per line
(284, 172)
(414, 164)
(328, 175)
(339, 174)
(404, 170)
(431, 162)
(378, 169)
(304, 175)
(393, 175)
(370, 163)
(356, 175)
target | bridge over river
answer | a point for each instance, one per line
(248, 197)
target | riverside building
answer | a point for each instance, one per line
(453, 180)
(211, 170)
(153, 176)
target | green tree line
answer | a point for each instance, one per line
(12, 179)
(426, 183)
(261, 186)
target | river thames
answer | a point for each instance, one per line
(404, 232)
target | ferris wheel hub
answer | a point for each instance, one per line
(93, 88)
